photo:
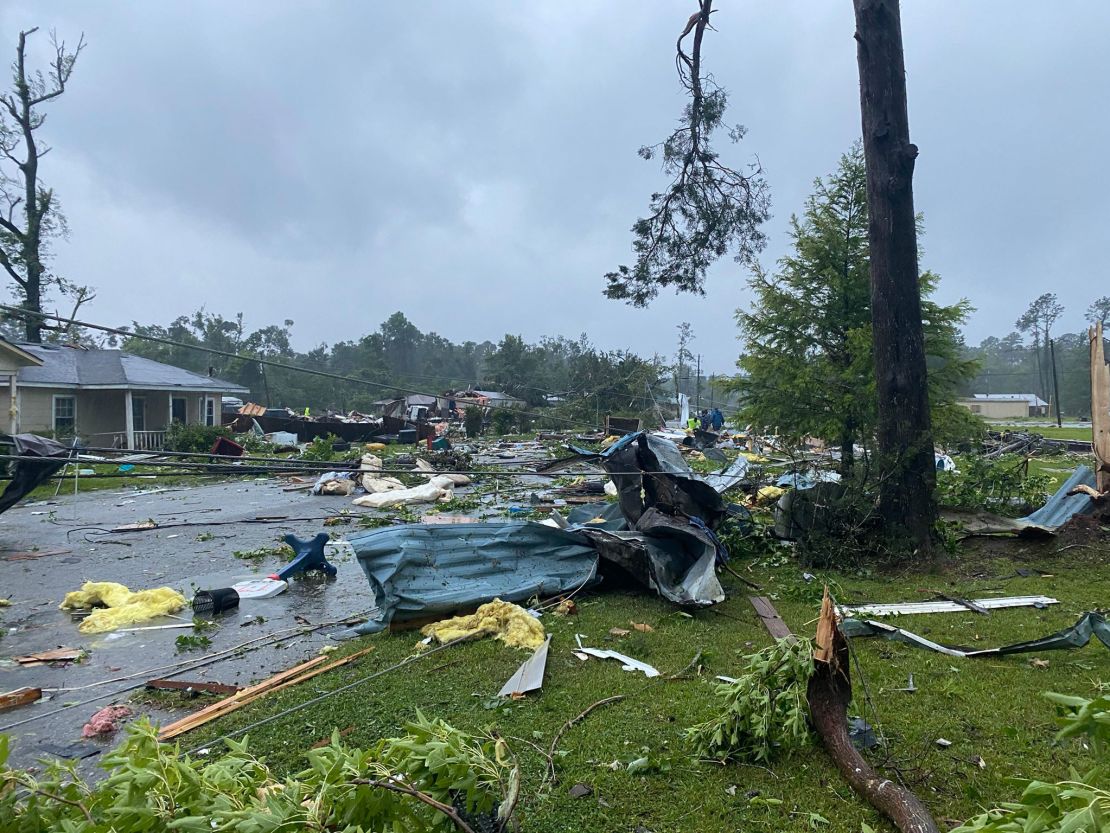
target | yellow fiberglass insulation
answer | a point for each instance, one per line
(508, 622)
(116, 606)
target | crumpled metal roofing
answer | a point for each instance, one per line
(419, 570)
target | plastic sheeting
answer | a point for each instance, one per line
(28, 474)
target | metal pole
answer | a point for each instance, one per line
(1055, 381)
(698, 382)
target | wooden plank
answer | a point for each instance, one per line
(294, 676)
(56, 655)
(19, 697)
(770, 617)
(185, 685)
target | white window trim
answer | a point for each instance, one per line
(54, 410)
(209, 405)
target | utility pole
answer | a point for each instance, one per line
(698, 383)
(1055, 381)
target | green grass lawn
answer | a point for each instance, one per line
(989, 709)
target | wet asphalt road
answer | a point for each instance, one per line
(181, 557)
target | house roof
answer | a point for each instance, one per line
(493, 394)
(1032, 398)
(21, 356)
(63, 366)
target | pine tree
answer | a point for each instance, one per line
(808, 366)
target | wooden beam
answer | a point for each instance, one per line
(19, 697)
(1100, 408)
(295, 675)
(770, 617)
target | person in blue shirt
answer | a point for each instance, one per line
(717, 418)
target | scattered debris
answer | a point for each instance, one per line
(1078, 635)
(116, 606)
(627, 662)
(943, 743)
(504, 621)
(105, 722)
(580, 791)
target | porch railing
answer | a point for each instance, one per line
(149, 440)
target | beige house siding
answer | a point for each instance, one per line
(101, 414)
(996, 408)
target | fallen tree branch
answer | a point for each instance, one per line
(829, 693)
(568, 725)
(746, 581)
(404, 789)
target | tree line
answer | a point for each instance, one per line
(570, 378)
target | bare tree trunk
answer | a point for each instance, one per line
(905, 443)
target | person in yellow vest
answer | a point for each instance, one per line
(692, 423)
(306, 412)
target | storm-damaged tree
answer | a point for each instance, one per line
(708, 209)
(1038, 320)
(29, 212)
(1099, 311)
(904, 430)
(808, 367)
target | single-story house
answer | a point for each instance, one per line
(1005, 405)
(106, 397)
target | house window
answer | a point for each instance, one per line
(209, 411)
(178, 409)
(138, 413)
(65, 416)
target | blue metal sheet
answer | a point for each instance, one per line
(421, 570)
(1060, 507)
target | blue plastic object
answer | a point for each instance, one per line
(309, 556)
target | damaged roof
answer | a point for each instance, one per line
(78, 367)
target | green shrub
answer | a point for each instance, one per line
(321, 449)
(1003, 485)
(503, 421)
(194, 438)
(472, 421)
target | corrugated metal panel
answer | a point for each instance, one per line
(419, 571)
(1060, 507)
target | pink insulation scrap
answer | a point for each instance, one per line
(105, 722)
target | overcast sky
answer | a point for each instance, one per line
(473, 164)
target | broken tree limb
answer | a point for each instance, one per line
(568, 725)
(829, 693)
